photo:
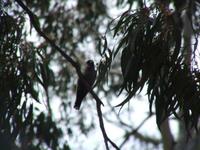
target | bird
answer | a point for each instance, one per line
(90, 76)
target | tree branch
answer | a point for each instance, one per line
(101, 123)
(76, 66)
(138, 135)
(141, 137)
(67, 57)
(167, 137)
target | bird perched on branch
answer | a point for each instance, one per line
(82, 90)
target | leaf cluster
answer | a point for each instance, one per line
(22, 70)
(152, 56)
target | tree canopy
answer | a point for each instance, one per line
(44, 45)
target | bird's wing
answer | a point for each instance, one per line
(81, 93)
(89, 75)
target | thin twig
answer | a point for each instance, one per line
(118, 117)
(137, 134)
(141, 137)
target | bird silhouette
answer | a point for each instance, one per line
(90, 76)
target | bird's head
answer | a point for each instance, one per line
(90, 63)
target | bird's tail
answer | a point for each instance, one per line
(77, 104)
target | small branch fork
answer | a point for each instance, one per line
(133, 131)
(33, 21)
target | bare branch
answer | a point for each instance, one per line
(141, 137)
(118, 117)
(101, 123)
(136, 134)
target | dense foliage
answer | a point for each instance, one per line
(152, 54)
